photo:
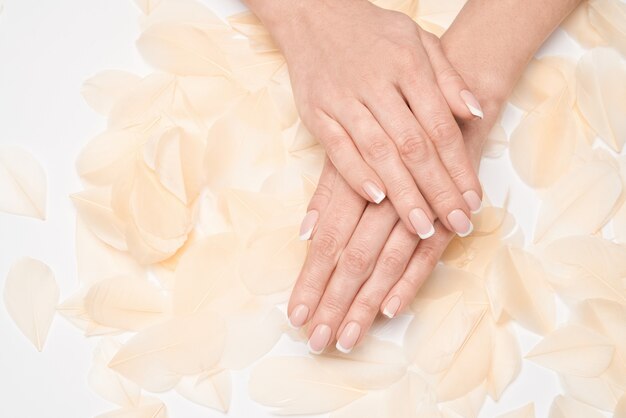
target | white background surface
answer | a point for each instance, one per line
(47, 49)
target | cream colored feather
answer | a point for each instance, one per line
(565, 407)
(580, 202)
(544, 79)
(598, 392)
(297, 385)
(108, 383)
(518, 283)
(23, 184)
(542, 145)
(588, 268)
(104, 89)
(127, 303)
(212, 389)
(30, 296)
(608, 17)
(527, 411)
(148, 6)
(157, 357)
(151, 410)
(601, 92)
(574, 350)
(578, 25)
(182, 49)
(506, 361)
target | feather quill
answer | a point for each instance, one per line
(22, 183)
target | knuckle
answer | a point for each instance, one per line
(356, 261)
(448, 75)
(404, 191)
(443, 131)
(378, 150)
(332, 306)
(368, 303)
(333, 143)
(413, 147)
(392, 262)
(325, 247)
(442, 198)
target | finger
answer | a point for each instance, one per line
(390, 266)
(346, 158)
(462, 102)
(353, 269)
(334, 230)
(319, 201)
(380, 152)
(422, 263)
(434, 116)
(420, 155)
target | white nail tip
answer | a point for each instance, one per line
(469, 231)
(429, 234)
(313, 351)
(307, 235)
(475, 111)
(387, 313)
(290, 324)
(343, 350)
(379, 197)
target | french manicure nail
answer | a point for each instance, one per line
(319, 339)
(460, 223)
(471, 103)
(298, 316)
(391, 308)
(308, 223)
(348, 338)
(422, 225)
(373, 191)
(473, 201)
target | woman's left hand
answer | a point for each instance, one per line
(362, 259)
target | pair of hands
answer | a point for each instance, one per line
(383, 104)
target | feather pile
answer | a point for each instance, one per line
(187, 236)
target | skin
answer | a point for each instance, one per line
(361, 256)
(383, 105)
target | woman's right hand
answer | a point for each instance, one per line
(380, 95)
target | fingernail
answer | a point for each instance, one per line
(348, 337)
(298, 316)
(421, 223)
(319, 339)
(391, 308)
(308, 223)
(471, 103)
(373, 191)
(473, 201)
(460, 223)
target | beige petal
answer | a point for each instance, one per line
(505, 362)
(543, 79)
(467, 406)
(157, 357)
(107, 382)
(205, 273)
(497, 142)
(253, 70)
(182, 49)
(212, 390)
(127, 303)
(94, 208)
(527, 411)
(104, 89)
(22, 183)
(148, 6)
(588, 268)
(608, 17)
(108, 156)
(264, 329)
(96, 260)
(176, 157)
(574, 350)
(543, 143)
(152, 410)
(190, 12)
(446, 281)
(580, 202)
(595, 391)
(272, 259)
(373, 364)
(620, 409)
(578, 25)
(601, 92)
(441, 13)
(518, 283)
(608, 318)
(297, 385)
(564, 407)
(30, 296)
(250, 26)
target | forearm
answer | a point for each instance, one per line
(491, 42)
